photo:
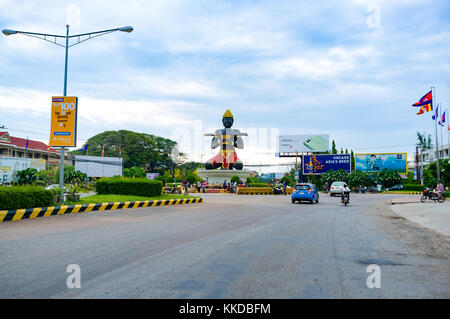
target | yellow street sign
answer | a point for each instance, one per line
(63, 131)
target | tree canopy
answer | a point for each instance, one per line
(137, 149)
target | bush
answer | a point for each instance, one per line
(129, 186)
(258, 185)
(18, 197)
(413, 187)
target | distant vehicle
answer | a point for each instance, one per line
(395, 188)
(304, 192)
(335, 188)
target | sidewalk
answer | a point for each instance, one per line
(431, 215)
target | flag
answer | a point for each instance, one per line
(425, 103)
(26, 144)
(120, 151)
(85, 147)
(436, 114)
(426, 99)
(442, 120)
(103, 150)
(48, 148)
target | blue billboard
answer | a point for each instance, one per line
(376, 162)
(319, 164)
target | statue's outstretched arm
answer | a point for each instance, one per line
(215, 140)
(238, 141)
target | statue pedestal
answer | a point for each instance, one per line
(217, 176)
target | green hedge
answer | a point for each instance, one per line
(129, 186)
(18, 197)
(413, 187)
(258, 185)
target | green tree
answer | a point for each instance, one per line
(388, 178)
(430, 173)
(352, 161)
(289, 181)
(153, 153)
(333, 148)
(192, 178)
(235, 178)
(423, 142)
(134, 171)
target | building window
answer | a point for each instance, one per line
(30, 155)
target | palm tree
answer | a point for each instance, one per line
(423, 142)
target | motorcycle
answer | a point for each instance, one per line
(277, 190)
(428, 194)
(346, 198)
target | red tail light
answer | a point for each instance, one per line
(309, 191)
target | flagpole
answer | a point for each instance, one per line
(437, 142)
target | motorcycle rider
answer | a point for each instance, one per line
(440, 190)
(345, 191)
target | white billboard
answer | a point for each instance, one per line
(96, 166)
(303, 143)
(9, 166)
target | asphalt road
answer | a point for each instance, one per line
(227, 247)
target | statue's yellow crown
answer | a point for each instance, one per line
(227, 114)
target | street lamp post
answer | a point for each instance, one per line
(80, 38)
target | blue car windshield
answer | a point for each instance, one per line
(302, 188)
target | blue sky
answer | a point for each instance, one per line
(350, 69)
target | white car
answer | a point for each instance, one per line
(335, 188)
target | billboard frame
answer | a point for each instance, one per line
(405, 153)
(73, 123)
(315, 174)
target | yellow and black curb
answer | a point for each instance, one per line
(404, 193)
(29, 213)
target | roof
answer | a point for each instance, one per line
(22, 142)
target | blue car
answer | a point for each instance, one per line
(305, 192)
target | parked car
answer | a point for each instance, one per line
(395, 188)
(304, 192)
(335, 188)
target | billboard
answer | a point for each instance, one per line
(9, 166)
(152, 175)
(63, 124)
(319, 164)
(303, 143)
(96, 166)
(376, 162)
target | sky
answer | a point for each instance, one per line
(350, 69)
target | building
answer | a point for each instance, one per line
(11, 146)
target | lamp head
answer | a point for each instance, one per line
(8, 31)
(126, 29)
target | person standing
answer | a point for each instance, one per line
(198, 185)
(204, 186)
(284, 188)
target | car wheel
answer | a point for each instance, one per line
(293, 201)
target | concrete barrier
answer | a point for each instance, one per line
(29, 213)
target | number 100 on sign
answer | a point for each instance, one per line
(63, 130)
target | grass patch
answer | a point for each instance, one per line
(123, 198)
